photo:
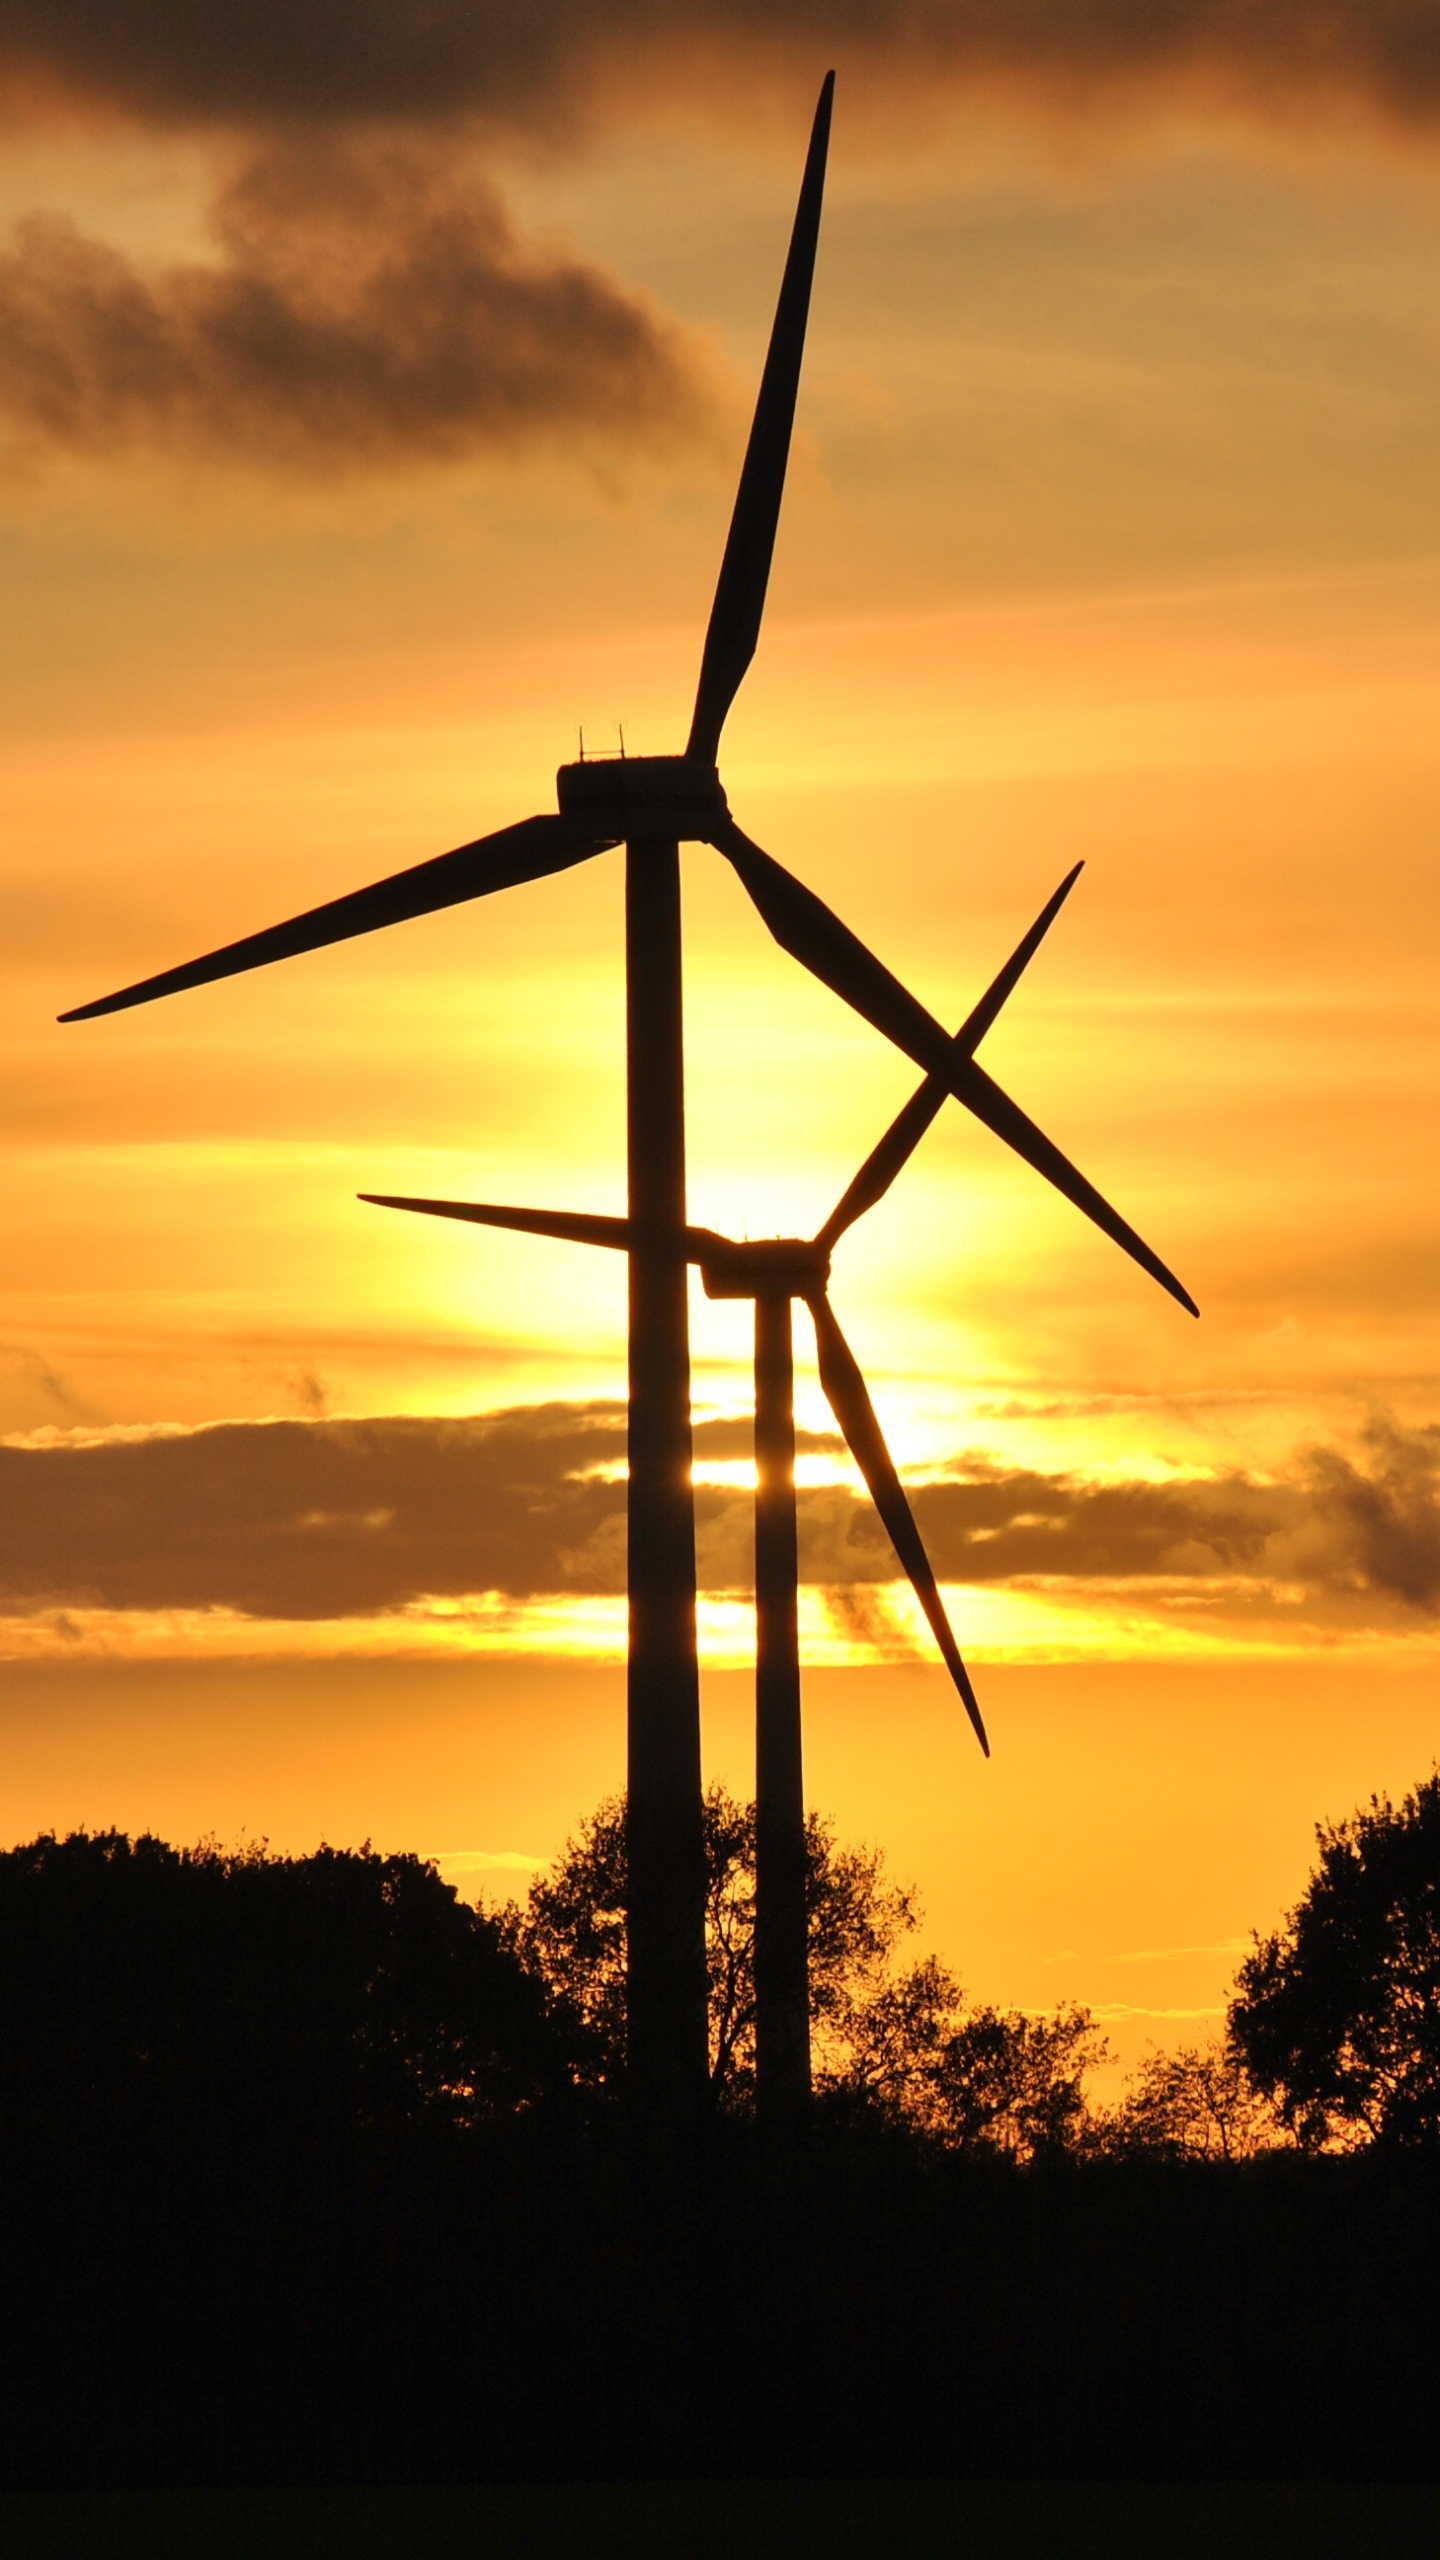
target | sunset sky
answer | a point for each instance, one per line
(370, 407)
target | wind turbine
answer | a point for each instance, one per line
(774, 1271)
(650, 804)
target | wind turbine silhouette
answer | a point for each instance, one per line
(774, 1271)
(650, 804)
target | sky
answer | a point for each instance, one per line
(370, 406)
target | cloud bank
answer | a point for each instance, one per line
(370, 305)
(336, 1519)
(260, 62)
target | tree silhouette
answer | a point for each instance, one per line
(1198, 2102)
(573, 1930)
(1337, 2016)
(972, 2077)
(901, 2043)
(235, 1998)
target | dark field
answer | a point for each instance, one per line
(308, 2181)
(736, 2520)
(523, 2305)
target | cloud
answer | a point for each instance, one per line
(308, 1520)
(53, 1391)
(1000, 1527)
(1336, 1527)
(1390, 1515)
(260, 62)
(370, 306)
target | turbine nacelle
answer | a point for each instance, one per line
(771, 1267)
(676, 798)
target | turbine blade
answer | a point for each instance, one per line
(529, 851)
(745, 570)
(1002, 986)
(571, 1227)
(850, 1403)
(909, 1126)
(804, 926)
(983, 1096)
(813, 934)
(886, 1160)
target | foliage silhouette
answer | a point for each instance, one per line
(1198, 2102)
(261, 1997)
(974, 2078)
(572, 1929)
(900, 2041)
(1337, 2015)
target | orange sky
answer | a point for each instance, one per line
(1112, 533)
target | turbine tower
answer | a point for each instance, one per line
(774, 1271)
(650, 804)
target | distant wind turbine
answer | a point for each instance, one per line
(774, 1271)
(650, 804)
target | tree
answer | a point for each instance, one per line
(1337, 2016)
(235, 1999)
(1197, 2103)
(902, 2043)
(1011, 2082)
(573, 1929)
(972, 2078)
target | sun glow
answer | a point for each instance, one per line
(853, 1626)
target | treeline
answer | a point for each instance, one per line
(1331, 2042)
(308, 2171)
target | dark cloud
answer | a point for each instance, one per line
(369, 305)
(1337, 1527)
(527, 60)
(53, 1392)
(306, 1520)
(1389, 1512)
(997, 1527)
(310, 1519)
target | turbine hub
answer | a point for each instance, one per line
(624, 796)
(771, 1267)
